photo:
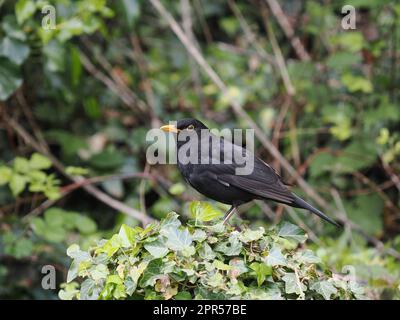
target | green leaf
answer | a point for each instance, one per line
(221, 266)
(177, 189)
(293, 285)
(357, 83)
(262, 271)
(151, 273)
(178, 240)
(5, 175)
(216, 280)
(309, 257)
(275, 257)
(324, 288)
(54, 217)
(10, 78)
(89, 290)
(157, 248)
(127, 235)
(17, 184)
(21, 165)
(76, 66)
(85, 224)
(292, 232)
(251, 235)
(99, 272)
(203, 211)
(39, 162)
(131, 10)
(183, 295)
(15, 50)
(232, 247)
(363, 206)
(12, 29)
(72, 271)
(206, 253)
(76, 171)
(24, 9)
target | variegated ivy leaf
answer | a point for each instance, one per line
(178, 240)
(157, 248)
(293, 284)
(324, 288)
(275, 258)
(251, 235)
(292, 232)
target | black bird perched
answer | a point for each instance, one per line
(214, 172)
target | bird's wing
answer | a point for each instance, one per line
(263, 181)
(257, 186)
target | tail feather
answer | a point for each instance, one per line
(300, 203)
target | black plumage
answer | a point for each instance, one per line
(214, 173)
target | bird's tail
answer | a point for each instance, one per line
(300, 203)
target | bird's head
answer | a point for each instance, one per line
(185, 124)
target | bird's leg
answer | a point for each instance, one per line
(229, 214)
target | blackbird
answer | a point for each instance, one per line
(214, 172)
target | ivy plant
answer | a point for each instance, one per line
(203, 260)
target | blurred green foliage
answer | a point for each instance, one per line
(110, 70)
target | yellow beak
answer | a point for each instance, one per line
(170, 128)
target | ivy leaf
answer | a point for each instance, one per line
(157, 248)
(324, 288)
(199, 235)
(275, 258)
(262, 271)
(216, 280)
(10, 78)
(221, 266)
(206, 253)
(309, 257)
(293, 285)
(130, 286)
(292, 232)
(151, 273)
(203, 211)
(24, 9)
(178, 239)
(89, 290)
(100, 272)
(127, 235)
(169, 223)
(251, 235)
(232, 247)
(183, 295)
(15, 50)
(72, 271)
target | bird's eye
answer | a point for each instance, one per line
(191, 127)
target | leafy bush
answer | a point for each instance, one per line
(30, 172)
(167, 260)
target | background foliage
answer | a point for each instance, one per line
(77, 101)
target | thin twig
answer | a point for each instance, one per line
(288, 30)
(278, 54)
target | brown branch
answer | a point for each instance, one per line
(288, 30)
